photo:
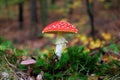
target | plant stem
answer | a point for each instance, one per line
(13, 66)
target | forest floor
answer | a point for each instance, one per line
(106, 20)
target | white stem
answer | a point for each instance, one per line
(60, 43)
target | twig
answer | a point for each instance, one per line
(9, 62)
(21, 75)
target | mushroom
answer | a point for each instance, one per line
(28, 62)
(40, 76)
(60, 28)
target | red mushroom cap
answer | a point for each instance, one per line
(60, 26)
(28, 62)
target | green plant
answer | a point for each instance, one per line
(81, 61)
(9, 60)
(110, 71)
(111, 68)
(75, 63)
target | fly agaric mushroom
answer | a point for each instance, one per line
(60, 28)
(28, 63)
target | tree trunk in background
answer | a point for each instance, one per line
(6, 2)
(20, 16)
(107, 0)
(70, 9)
(33, 9)
(43, 7)
(53, 2)
(116, 4)
(89, 5)
(33, 18)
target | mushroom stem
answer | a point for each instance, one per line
(29, 70)
(60, 44)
